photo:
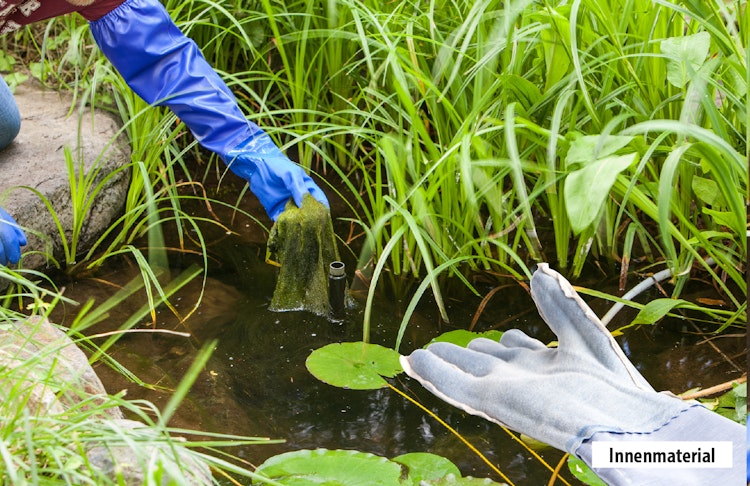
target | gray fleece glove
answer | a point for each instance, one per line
(560, 396)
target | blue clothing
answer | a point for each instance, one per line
(10, 118)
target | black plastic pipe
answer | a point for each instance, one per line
(337, 290)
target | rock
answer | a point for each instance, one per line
(43, 371)
(144, 454)
(34, 169)
(57, 375)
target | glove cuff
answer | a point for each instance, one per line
(694, 423)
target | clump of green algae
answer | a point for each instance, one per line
(302, 242)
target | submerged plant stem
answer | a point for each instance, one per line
(454, 432)
(474, 449)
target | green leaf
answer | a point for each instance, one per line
(581, 471)
(331, 468)
(586, 189)
(707, 190)
(358, 365)
(656, 309)
(721, 218)
(686, 55)
(423, 466)
(589, 148)
(462, 337)
(732, 404)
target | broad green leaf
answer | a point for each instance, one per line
(589, 148)
(686, 55)
(722, 218)
(732, 404)
(586, 189)
(656, 309)
(359, 365)
(581, 471)
(331, 468)
(462, 337)
(707, 190)
(423, 466)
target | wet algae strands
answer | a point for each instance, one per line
(303, 244)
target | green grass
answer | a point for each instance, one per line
(471, 132)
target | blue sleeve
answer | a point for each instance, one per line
(165, 67)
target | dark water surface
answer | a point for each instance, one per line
(256, 383)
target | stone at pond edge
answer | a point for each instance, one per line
(146, 454)
(57, 373)
(302, 242)
(36, 161)
(56, 377)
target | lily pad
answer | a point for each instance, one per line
(331, 468)
(423, 466)
(358, 365)
(462, 337)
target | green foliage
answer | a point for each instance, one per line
(461, 129)
(582, 472)
(50, 447)
(732, 404)
(352, 468)
(359, 366)
(462, 337)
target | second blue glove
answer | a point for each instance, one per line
(12, 238)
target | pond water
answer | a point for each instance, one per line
(256, 383)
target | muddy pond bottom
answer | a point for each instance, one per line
(256, 383)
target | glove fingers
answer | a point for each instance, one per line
(465, 360)
(515, 347)
(571, 319)
(11, 239)
(517, 339)
(447, 381)
(512, 339)
(578, 329)
(300, 184)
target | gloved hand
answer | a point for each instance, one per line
(273, 177)
(12, 239)
(164, 67)
(560, 396)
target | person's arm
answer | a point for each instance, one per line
(165, 67)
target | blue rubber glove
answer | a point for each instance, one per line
(164, 67)
(12, 239)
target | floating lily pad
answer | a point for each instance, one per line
(359, 365)
(462, 337)
(331, 468)
(423, 466)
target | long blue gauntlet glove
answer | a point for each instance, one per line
(561, 396)
(12, 239)
(164, 67)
